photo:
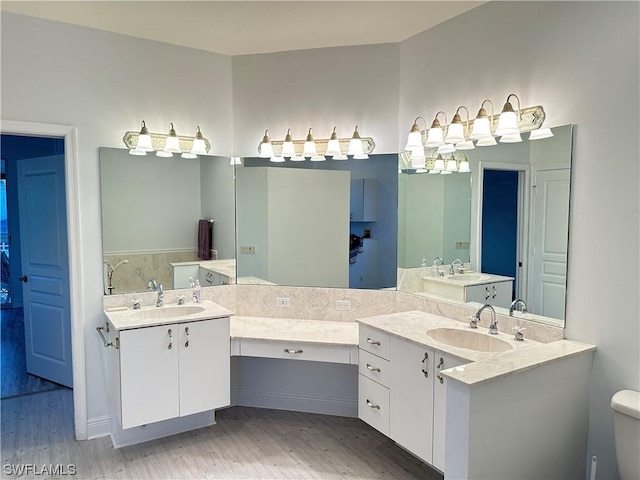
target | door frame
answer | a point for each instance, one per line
(522, 248)
(74, 245)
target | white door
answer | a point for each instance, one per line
(45, 267)
(548, 263)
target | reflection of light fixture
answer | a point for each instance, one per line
(266, 150)
(139, 143)
(288, 149)
(355, 146)
(511, 138)
(446, 148)
(418, 158)
(435, 135)
(464, 165)
(438, 165)
(540, 134)
(466, 145)
(486, 142)
(508, 120)
(276, 159)
(452, 164)
(482, 124)
(316, 149)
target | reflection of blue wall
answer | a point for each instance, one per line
(500, 222)
(383, 168)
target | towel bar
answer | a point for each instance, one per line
(115, 343)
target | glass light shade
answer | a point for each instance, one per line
(511, 138)
(355, 147)
(422, 170)
(362, 156)
(199, 147)
(455, 133)
(486, 142)
(266, 150)
(333, 148)
(481, 128)
(417, 153)
(434, 172)
(438, 165)
(464, 166)
(287, 149)
(318, 158)
(163, 153)
(297, 158)
(507, 124)
(309, 149)
(418, 163)
(540, 134)
(466, 145)
(445, 172)
(137, 151)
(340, 157)
(446, 148)
(189, 155)
(452, 165)
(144, 143)
(172, 145)
(277, 159)
(434, 137)
(413, 140)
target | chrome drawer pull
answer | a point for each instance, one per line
(170, 346)
(186, 330)
(373, 369)
(371, 405)
(425, 372)
(286, 350)
(372, 342)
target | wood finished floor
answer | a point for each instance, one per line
(247, 443)
(13, 367)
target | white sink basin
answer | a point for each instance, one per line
(468, 277)
(167, 312)
(477, 341)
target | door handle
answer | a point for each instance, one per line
(24, 279)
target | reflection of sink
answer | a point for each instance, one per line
(480, 342)
(166, 312)
(468, 277)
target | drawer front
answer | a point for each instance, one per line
(374, 341)
(373, 404)
(374, 367)
(294, 351)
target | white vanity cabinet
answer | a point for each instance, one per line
(373, 378)
(497, 294)
(441, 361)
(173, 370)
(411, 397)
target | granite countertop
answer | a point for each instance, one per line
(483, 366)
(123, 318)
(295, 330)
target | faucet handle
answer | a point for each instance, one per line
(518, 333)
(473, 321)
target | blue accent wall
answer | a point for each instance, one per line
(500, 222)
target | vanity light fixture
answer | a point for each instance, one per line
(452, 164)
(265, 149)
(438, 165)
(165, 145)
(417, 157)
(511, 138)
(464, 165)
(482, 124)
(486, 142)
(415, 138)
(435, 134)
(446, 148)
(540, 134)
(456, 130)
(508, 120)
(316, 149)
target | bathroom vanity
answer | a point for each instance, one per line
(157, 373)
(471, 287)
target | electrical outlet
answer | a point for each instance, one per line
(464, 245)
(283, 302)
(343, 305)
(248, 249)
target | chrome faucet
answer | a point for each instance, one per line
(493, 327)
(457, 261)
(518, 335)
(436, 271)
(152, 284)
(160, 299)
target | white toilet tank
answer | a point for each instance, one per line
(626, 404)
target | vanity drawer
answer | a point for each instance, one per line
(374, 341)
(373, 404)
(374, 367)
(295, 351)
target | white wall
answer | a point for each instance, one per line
(105, 84)
(580, 60)
(319, 89)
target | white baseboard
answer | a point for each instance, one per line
(98, 427)
(343, 407)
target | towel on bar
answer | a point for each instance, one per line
(204, 239)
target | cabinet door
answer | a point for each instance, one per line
(442, 362)
(364, 200)
(373, 404)
(411, 397)
(204, 373)
(149, 375)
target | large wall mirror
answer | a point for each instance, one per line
(151, 208)
(318, 224)
(507, 217)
